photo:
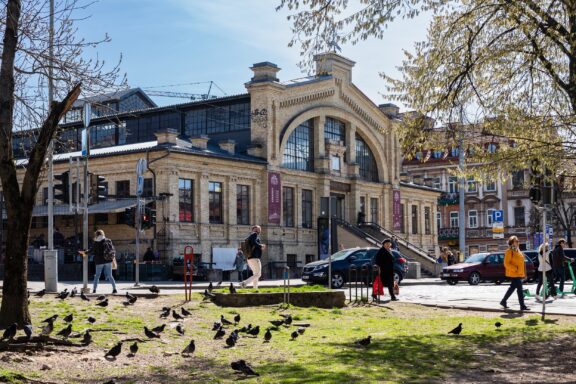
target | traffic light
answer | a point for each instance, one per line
(62, 190)
(148, 217)
(536, 181)
(98, 190)
(129, 216)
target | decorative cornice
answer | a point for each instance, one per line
(307, 98)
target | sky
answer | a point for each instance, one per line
(168, 43)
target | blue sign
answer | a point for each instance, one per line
(498, 216)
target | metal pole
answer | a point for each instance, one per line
(461, 184)
(51, 145)
(138, 226)
(85, 228)
(545, 253)
(329, 242)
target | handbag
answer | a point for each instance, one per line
(377, 287)
(396, 289)
(114, 264)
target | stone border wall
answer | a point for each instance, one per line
(328, 299)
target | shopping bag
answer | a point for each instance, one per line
(396, 289)
(114, 264)
(377, 287)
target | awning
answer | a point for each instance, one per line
(109, 206)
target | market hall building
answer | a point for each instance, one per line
(267, 157)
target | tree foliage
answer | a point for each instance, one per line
(505, 68)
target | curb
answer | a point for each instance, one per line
(484, 309)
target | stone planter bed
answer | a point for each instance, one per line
(327, 299)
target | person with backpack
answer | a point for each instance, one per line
(252, 249)
(104, 253)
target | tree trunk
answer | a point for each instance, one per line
(14, 307)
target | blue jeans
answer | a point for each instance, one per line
(515, 284)
(107, 268)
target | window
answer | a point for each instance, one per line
(374, 210)
(363, 204)
(517, 179)
(215, 203)
(402, 222)
(471, 185)
(414, 219)
(452, 184)
(288, 206)
(299, 151)
(454, 152)
(437, 154)
(44, 196)
(427, 229)
(291, 260)
(472, 218)
(186, 200)
(148, 189)
(306, 208)
(123, 188)
(438, 220)
(243, 204)
(310, 258)
(101, 218)
(335, 162)
(334, 130)
(519, 217)
(490, 186)
(454, 219)
(366, 161)
(489, 217)
(437, 183)
(217, 118)
(491, 148)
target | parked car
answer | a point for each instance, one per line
(482, 267)
(317, 271)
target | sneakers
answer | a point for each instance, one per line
(93, 291)
(394, 299)
(524, 308)
(503, 304)
(538, 298)
(114, 291)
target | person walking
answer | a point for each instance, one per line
(545, 266)
(102, 249)
(149, 255)
(253, 259)
(515, 269)
(559, 260)
(385, 262)
(239, 264)
(395, 243)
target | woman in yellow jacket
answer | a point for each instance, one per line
(515, 268)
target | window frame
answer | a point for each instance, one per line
(215, 202)
(470, 217)
(242, 204)
(186, 209)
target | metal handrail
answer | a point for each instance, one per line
(357, 231)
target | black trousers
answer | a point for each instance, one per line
(515, 285)
(388, 281)
(549, 280)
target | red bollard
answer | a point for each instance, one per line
(188, 270)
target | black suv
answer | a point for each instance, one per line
(317, 271)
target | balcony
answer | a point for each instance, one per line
(447, 198)
(448, 233)
(517, 193)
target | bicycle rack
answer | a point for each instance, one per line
(364, 275)
(354, 270)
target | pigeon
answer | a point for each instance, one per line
(301, 330)
(457, 330)
(219, 284)
(365, 341)
(134, 348)
(254, 331)
(217, 325)
(84, 297)
(101, 297)
(497, 324)
(154, 289)
(28, 331)
(231, 341)
(288, 320)
(51, 319)
(66, 331)
(208, 295)
(74, 292)
(243, 367)
(115, 350)
(237, 319)
(64, 294)
(176, 315)
(166, 309)
(91, 319)
(185, 312)
(159, 329)
(47, 329)
(276, 323)
(225, 321)
(267, 335)
(111, 381)
(129, 296)
(210, 287)
(150, 334)
(232, 289)
(245, 328)
(132, 300)
(68, 318)
(165, 313)
(103, 303)
(10, 332)
(294, 335)
(219, 333)
(87, 339)
(190, 348)
(40, 293)
(180, 329)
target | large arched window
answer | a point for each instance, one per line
(299, 150)
(334, 130)
(366, 161)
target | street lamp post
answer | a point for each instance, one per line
(86, 154)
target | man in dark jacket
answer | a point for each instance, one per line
(385, 261)
(559, 259)
(253, 259)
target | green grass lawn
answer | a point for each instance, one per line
(409, 343)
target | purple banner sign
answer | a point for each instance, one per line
(396, 214)
(274, 198)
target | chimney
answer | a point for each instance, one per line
(200, 142)
(390, 110)
(264, 72)
(167, 136)
(335, 65)
(227, 145)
